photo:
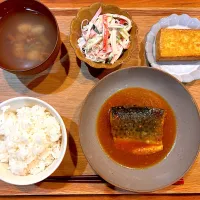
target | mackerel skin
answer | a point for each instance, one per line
(142, 124)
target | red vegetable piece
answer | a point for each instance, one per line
(105, 33)
(122, 21)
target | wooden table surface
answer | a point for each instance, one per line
(44, 87)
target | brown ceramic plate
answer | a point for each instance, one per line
(88, 13)
(182, 154)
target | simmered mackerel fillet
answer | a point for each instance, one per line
(141, 125)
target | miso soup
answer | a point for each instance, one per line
(27, 38)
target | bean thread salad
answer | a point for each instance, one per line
(105, 37)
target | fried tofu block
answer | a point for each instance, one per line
(178, 44)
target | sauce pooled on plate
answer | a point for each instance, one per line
(132, 153)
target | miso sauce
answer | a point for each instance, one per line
(138, 97)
